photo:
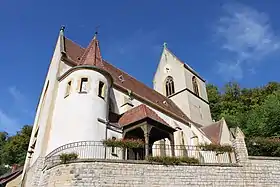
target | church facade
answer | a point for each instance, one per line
(85, 98)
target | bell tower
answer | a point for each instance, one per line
(179, 82)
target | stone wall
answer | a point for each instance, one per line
(33, 174)
(248, 171)
(255, 172)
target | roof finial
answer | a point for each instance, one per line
(165, 45)
(96, 32)
(62, 43)
(62, 28)
(95, 35)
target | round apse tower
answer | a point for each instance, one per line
(82, 98)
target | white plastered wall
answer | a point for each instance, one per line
(76, 116)
(225, 136)
(169, 65)
(199, 109)
(44, 108)
(194, 107)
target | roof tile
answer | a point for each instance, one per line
(75, 52)
(214, 131)
(138, 113)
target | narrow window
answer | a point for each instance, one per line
(169, 86)
(101, 90)
(36, 133)
(195, 86)
(83, 86)
(68, 88)
(46, 89)
(113, 148)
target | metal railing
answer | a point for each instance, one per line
(87, 150)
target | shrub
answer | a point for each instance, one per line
(124, 143)
(216, 147)
(167, 160)
(189, 160)
(66, 157)
(263, 146)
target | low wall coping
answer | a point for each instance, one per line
(263, 158)
(146, 162)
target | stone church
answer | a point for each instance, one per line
(87, 99)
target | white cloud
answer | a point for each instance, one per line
(246, 34)
(16, 94)
(19, 108)
(20, 100)
(8, 123)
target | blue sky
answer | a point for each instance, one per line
(222, 40)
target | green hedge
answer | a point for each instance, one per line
(216, 147)
(167, 160)
(263, 146)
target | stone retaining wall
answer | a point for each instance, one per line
(249, 172)
(253, 173)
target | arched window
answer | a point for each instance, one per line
(169, 86)
(195, 86)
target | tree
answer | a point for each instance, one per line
(255, 110)
(214, 97)
(15, 148)
(264, 120)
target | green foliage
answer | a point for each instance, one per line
(216, 147)
(124, 143)
(263, 146)
(13, 148)
(3, 170)
(264, 119)
(167, 160)
(67, 157)
(254, 110)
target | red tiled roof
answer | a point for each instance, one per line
(92, 55)
(4, 179)
(74, 52)
(138, 113)
(214, 131)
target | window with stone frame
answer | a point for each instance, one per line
(68, 89)
(195, 86)
(101, 89)
(169, 86)
(84, 85)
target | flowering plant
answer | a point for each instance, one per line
(124, 143)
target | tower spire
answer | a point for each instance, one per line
(92, 54)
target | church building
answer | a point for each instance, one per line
(87, 99)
